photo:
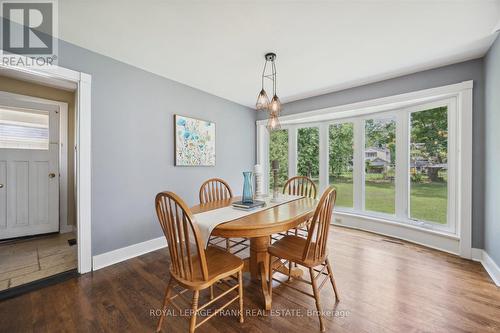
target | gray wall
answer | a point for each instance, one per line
(492, 156)
(132, 145)
(470, 70)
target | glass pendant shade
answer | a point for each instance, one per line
(273, 122)
(262, 101)
(275, 105)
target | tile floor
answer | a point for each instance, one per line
(36, 258)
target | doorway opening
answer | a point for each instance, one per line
(38, 233)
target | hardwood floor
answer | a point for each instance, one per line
(385, 286)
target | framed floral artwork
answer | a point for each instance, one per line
(194, 141)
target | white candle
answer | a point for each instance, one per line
(259, 185)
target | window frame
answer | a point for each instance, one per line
(457, 98)
(401, 117)
(326, 164)
(266, 168)
(452, 162)
(52, 125)
(295, 159)
(361, 151)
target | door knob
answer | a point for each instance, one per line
(52, 175)
(1, 185)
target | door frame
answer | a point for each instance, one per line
(79, 82)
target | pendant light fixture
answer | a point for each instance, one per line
(273, 123)
(263, 103)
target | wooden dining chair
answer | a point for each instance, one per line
(303, 186)
(191, 266)
(300, 185)
(310, 253)
(215, 189)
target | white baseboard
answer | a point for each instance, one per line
(64, 229)
(489, 265)
(128, 252)
(477, 254)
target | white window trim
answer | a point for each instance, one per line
(461, 241)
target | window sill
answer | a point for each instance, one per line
(380, 219)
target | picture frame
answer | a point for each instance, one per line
(194, 141)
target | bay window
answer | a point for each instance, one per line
(401, 161)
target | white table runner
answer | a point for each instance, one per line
(207, 221)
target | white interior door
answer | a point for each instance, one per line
(29, 172)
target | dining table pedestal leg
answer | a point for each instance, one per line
(259, 263)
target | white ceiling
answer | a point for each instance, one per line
(322, 46)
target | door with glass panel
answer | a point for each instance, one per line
(29, 172)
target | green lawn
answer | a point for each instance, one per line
(344, 194)
(427, 200)
(380, 197)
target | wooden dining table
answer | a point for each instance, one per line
(259, 227)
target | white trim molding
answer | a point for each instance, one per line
(456, 235)
(84, 173)
(429, 238)
(382, 104)
(489, 265)
(128, 252)
(71, 80)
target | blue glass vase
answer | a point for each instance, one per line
(247, 187)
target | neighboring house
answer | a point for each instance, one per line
(418, 164)
(377, 159)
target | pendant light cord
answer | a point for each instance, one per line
(273, 74)
(274, 79)
(263, 74)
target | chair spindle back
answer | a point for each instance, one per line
(182, 236)
(318, 231)
(300, 185)
(214, 189)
